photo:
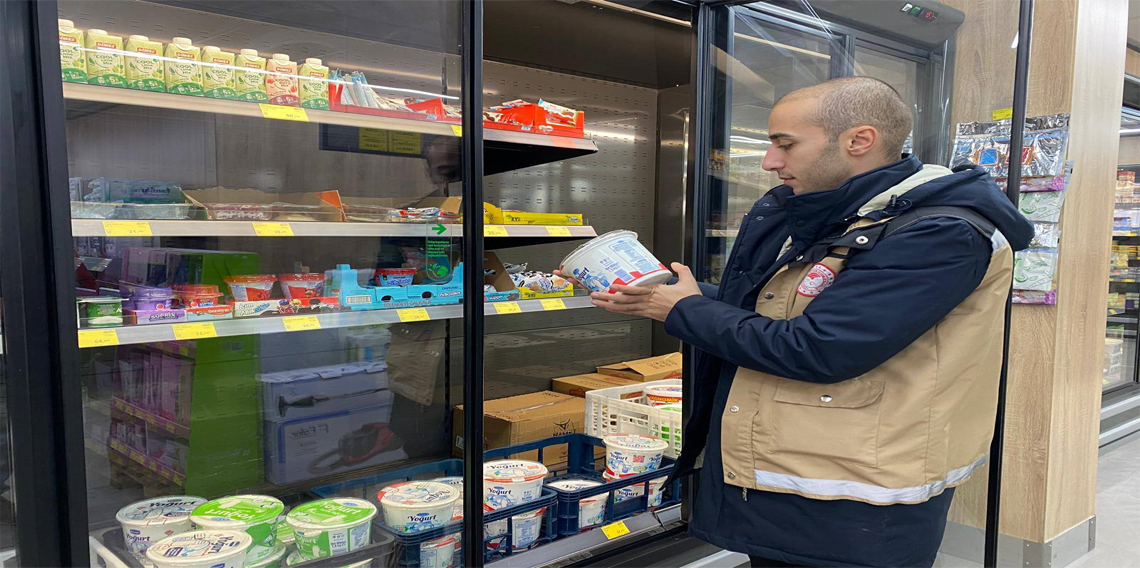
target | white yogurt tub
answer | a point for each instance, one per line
(147, 522)
(527, 527)
(201, 549)
(662, 395)
(257, 515)
(615, 258)
(417, 506)
(455, 481)
(633, 453)
(439, 553)
(274, 560)
(511, 482)
(295, 558)
(656, 490)
(591, 510)
(330, 527)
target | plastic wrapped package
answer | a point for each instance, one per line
(539, 282)
(1033, 269)
(1042, 206)
(1048, 298)
(986, 144)
(1045, 235)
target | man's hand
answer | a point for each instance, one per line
(654, 302)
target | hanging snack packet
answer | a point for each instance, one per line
(1034, 270)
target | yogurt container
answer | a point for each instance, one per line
(663, 394)
(455, 481)
(439, 553)
(295, 558)
(100, 311)
(591, 510)
(511, 482)
(201, 549)
(615, 258)
(146, 298)
(418, 505)
(331, 527)
(656, 490)
(395, 276)
(251, 287)
(275, 559)
(667, 432)
(301, 286)
(527, 527)
(633, 453)
(196, 295)
(284, 531)
(147, 522)
(255, 514)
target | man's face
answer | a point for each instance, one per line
(802, 154)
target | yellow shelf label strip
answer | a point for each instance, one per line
(413, 314)
(280, 112)
(273, 229)
(495, 231)
(127, 229)
(503, 308)
(184, 331)
(97, 338)
(301, 323)
(558, 231)
(614, 530)
(555, 304)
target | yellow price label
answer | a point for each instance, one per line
(127, 229)
(165, 473)
(279, 112)
(558, 231)
(273, 229)
(413, 314)
(494, 231)
(118, 446)
(301, 323)
(556, 304)
(97, 338)
(614, 530)
(1001, 113)
(507, 308)
(203, 330)
(404, 142)
(373, 139)
(457, 130)
(170, 427)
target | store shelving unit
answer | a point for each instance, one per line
(163, 228)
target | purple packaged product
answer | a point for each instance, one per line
(143, 317)
(144, 298)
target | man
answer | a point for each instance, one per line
(847, 371)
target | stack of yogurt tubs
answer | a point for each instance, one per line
(417, 506)
(507, 483)
(632, 454)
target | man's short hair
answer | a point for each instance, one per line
(848, 102)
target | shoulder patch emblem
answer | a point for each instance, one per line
(816, 281)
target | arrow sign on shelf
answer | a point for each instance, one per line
(439, 228)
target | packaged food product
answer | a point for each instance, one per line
(150, 298)
(1045, 235)
(1034, 269)
(331, 527)
(281, 82)
(591, 510)
(196, 295)
(183, 73)
(293, 558)
(539, 282)
(526, 529)
(395, 276)
(105, 59)
(1042, 205)
(439, 553)
(275, 558)
(201, 549)
(661, 395)
(144, 68)
(134, 191)
(256, 515)
(633, 453)
(656, 490)
(414, 215)
(249, 78)
(218, 73)
(511, 482)
(615, 258)
(100, 311)
(300, 286)
(251, 287)
(151, 520)
(455, 481)
(558, 113)
(314, 84)
(144, 317)
(418, 505)
(72, 62)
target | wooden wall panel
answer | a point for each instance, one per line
(1132, 62)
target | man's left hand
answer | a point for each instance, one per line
(654, 302)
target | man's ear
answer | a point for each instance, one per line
(860, 140)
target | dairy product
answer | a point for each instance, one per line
(144, 68)
(281, 83)
(314, 84)
(104, 60)
(201, 549)
(255, 514)
(218, 73)
(250, 85)
(71, 60)
(147, 522)
(331, 527)
(511, 482)
(183, 73)
(615, 258)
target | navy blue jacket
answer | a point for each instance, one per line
(882, 301)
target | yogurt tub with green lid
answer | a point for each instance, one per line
(274, 560)
(151, 520)
(100, 311)
(255, 514)
(284, 531)
(331, 527)
(201, 549)
(293, 559)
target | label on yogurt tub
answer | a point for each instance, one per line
(331, 526)
(147, 522)
(255, 514)
(216, 549)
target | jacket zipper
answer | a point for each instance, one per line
(744, 490)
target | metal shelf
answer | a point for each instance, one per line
(137, 334)
(582, 546)
(170, 228)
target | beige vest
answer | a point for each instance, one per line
(901, 433)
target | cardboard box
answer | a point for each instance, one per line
(505, 290)
(217, 201)
(508, 217)
(300, 393)
(577, 385)
(526, 418)
(651, 369)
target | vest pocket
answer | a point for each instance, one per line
(834, 422)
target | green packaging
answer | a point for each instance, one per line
(104, 61)
(144, 68)
(183, 73)
(314, 84)
(218, 73)
(71, 60)
(255, 514)
(100, 311)
(331, 527)
(250, 85)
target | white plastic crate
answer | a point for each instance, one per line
(607, 413)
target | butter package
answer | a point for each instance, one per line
(314, 84)
(72, 63)
(105, 59)
(183, 73)
(249, 78)
(281, 83)
(650, 369)
(145, 71)
(218, 73)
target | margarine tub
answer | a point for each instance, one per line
(201, 549)
(255, 514)
(633, 453)
(331, 527)
(418, 505)
(615, 258)
(147, 522)
(275, 559)
(591, 510)
(660, 395)
(511, 482)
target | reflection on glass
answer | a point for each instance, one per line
(7, 494)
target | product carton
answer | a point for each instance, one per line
(505, 290)
(314, 446)
(144, 68)
(105, 59)
(526, 418)
(508, 217)
(218, 73)
(281, 83)
(314, 84)
(72, 62)
(183, 72)
(578, 385)
(300, 393)
(642, 370)
(250, 85)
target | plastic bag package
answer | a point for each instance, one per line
(540, 282)
(1035, 297)
(1045, 235)
(986, 144)
(1044, 206)
(1034, 269)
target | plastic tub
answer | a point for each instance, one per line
(197, 295)
(145, 298)
(149, 521)
(656, 490)
(661, 395)
(455, 481)
(633, 453)
(395, 276)
(418, 505)
(331, 527)
(511, 482)
(251, 287)
(591, 510)
(615, 258)
(525, 528)
(301, 286)
(201, 549)
(439, 553)
(100, 311)
(294, 559)
(255, 514)
(275, 559)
